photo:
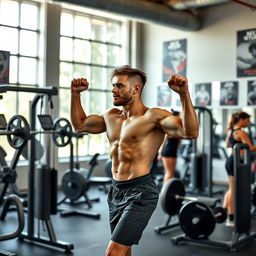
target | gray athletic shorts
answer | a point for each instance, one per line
(131, 204)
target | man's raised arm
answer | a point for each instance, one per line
(81, 122)
(189, 127)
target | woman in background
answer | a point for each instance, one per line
(235, 135)
(168, 154)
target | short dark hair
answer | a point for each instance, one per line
(130, 72)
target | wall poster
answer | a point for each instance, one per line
(251, 98)
(164, 96)
(246, 53)
(4, 67)
(174, 58)
(229, 93)
(203, 94)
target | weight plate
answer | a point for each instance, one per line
(19, 126)
(64, 129)
(169, 203)
(39, 151)
(220, 214)
(197, 220)
(73, 184)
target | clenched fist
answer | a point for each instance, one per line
(79, 85)
(178, 84)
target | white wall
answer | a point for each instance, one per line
(211, 51)
(211, 54)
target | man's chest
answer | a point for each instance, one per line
(128, 129)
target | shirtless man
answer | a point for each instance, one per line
(135, 133)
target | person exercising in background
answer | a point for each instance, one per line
(168, 154)
(135, 133)
(235, 135)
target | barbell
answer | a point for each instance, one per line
(173, 194)
(18, 132)
(197, 217)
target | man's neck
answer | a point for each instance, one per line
(134, 109)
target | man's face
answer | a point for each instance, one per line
(122, 90)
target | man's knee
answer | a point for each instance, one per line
(115, 249)
(110, 251)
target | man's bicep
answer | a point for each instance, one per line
(93, 124)
(172, 125)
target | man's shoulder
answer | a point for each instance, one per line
(157, 112)
(112, 111)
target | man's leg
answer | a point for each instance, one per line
(129, 252)
(116, 249)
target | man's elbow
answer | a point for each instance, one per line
(191, 134)
(77, 127)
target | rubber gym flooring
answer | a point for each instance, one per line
(90, 236)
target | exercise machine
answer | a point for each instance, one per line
(8, 174)
(12, 200)
(242, 218)
(32, 189)
(202, 155)
(75, 181)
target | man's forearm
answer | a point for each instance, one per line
(189, 117)
(76, 111)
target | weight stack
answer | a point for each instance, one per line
(199, 171)
(54, 191)
(42, 192)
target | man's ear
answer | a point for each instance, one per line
(137, 88)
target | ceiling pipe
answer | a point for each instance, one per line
(190, 4)
(146, 11)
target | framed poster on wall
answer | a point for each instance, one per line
(251, 89)
(4, 67)
(246, 53)
(203, 94)
(164, 96)
(174, 58)
(229, 93)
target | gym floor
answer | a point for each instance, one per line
(90, 236)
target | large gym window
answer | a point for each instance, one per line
(19, 33)
(90, 47)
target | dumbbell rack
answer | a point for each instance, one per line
(241, 234)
